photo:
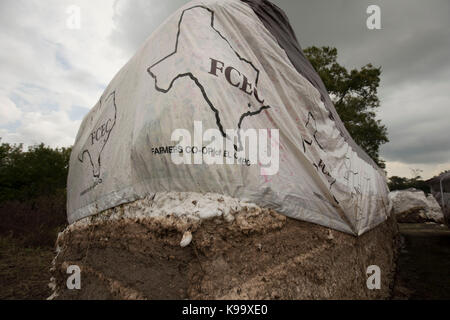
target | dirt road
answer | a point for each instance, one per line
(424, 263)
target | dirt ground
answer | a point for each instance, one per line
(424, 262)
(24, 272)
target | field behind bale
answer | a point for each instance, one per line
(34, 223)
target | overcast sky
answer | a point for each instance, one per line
(52, 75)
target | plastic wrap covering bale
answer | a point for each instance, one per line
(413, 206)
(434, 211)
(446, 205)
(216, 67)
(443, 199)
(161, 248)
(440, 189)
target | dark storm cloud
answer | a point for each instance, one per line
(135, 20)
(412, 49)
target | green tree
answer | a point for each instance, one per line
(28, 174)
(402, 183)
(354, 94)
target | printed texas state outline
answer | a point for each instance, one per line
(99, 136)
(186, 61)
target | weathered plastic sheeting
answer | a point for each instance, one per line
(415, 202)
(440, 188)
(215, 65)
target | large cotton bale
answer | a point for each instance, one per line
(216, 166)
(413, 206)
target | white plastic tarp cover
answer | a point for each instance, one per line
(214, 65)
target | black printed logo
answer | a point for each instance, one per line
(92, 149)
(211, 71)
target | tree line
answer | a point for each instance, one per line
(38, 171)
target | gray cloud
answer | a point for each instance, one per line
(136, 20)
